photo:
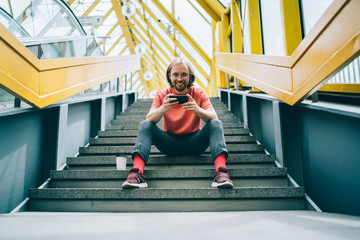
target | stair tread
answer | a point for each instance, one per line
(168, 173)
(167, 193)
(162, 159)
(246, 147)
(133, 133)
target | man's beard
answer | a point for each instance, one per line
(181, 88)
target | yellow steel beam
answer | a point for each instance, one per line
(160, 49)
(224, 46)
(291, 25)
(224, 37)
(44, 82)
(237, 37)
(156, 44)
(213, 83)
(318, 56)
(200, 13)
(154, 68)
(253, 11)
(88, 11)
(182, 31)
(156, 33)
(177, 44)
(70, 2)
(213, 8)
(114, 45)
(127, 34)
(124, 25)
(341, 87)
(144, 54)
(109, 32)
(123, 50)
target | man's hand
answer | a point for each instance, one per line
(168, 102)
(155, 114)
(205, 115)
(191, 105)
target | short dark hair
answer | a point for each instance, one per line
(187, 64)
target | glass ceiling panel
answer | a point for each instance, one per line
(196, 26)
(195, 55)
(225, 3)
(161, 32)
(45, 18)
(166, 4)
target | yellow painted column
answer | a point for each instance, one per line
(237, 39)
(213, 77)
(224, 44)
(253, 12)
(291, 25)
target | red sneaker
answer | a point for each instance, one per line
(222, 179)
(135, 180)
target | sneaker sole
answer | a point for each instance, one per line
(226, 184)
(134, 185)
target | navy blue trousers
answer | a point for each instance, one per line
(211, 134)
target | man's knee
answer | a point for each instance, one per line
(146, 125)
(215, 123)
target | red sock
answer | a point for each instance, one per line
(220, 161)
(139, 163)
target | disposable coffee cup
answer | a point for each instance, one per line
(121, 162)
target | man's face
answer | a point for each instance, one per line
(179, 76)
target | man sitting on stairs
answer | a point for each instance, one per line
(182, 133)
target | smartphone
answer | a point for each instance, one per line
(181, 98)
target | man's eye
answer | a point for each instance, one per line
(184, 75)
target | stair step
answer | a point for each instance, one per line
(133, 133)
(143, 111)
(236, 158)
(164, 199)
(168, 174)
(129, 149)
(267, 181)
(135, 125)
(132, 140)
(133, 120)
(165, 178)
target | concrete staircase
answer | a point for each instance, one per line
(91, 182)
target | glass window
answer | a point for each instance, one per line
(196, 26)
(312, 11)
(245, 26)
(46, 18)
(272, 27)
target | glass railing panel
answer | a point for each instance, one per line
(45, 18)
(66, 48)
(5, 96)
(349, 74)
(11, 25)
(272, 27)
(312, 11)
(92, 48)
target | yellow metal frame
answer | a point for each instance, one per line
(253, 12)
(44, 82)
(177, 44)
(320, 54)
(291, 25)
(182, 31)
(340, 87)
(213, 8)
(237, 36)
